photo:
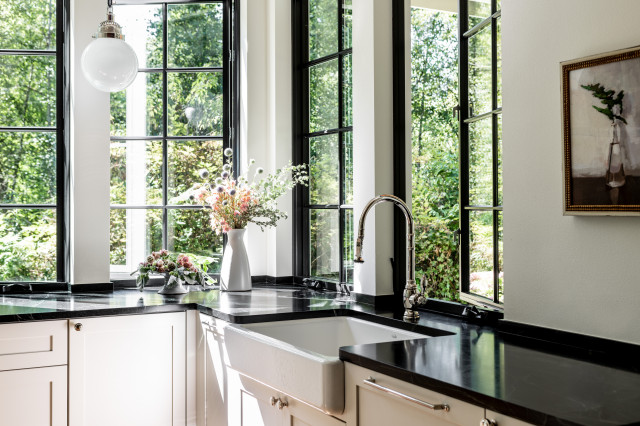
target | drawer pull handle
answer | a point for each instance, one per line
(78, 326)
(372, 382)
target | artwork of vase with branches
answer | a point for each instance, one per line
(614, 176)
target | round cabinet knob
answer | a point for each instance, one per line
(281, 404)
(78, 326)
(488, 422)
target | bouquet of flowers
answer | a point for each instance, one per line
(236, 202)
(175, 267)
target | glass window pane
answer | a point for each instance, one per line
(28, 245)
(136, 172)
(348, 167)
(142, 27)
(347, 91)
(137, 111)
(195, 104)
(190, 232)
(323, 28)
(347, 23)
(28, 90)
(27, 168)
(323, 96)
(28, 24)
(135, 233)
(500, 261)
(186, 160)
(480, 163)
(324, 170)
(324, 244)
(480, 72)
(499, 118)
(195, 35)
(347, 263)
(479, 10)
(481, 253)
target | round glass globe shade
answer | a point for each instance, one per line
(109, 64)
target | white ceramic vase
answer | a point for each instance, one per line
(235, 274)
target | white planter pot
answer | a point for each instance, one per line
(235, 274)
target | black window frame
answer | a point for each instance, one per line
(61, 129)
(300, 102)
(231, 110)
(466, 117)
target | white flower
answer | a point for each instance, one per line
(228, 152)
(260, 170)
(232, 192)
(204, 173)
(224, 174)
(252, 161)
(226, 167)
(218, 181)
(219, 188)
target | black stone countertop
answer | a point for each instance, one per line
(512, 375)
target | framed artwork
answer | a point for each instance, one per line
(601, 134)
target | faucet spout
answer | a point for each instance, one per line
(410, 296)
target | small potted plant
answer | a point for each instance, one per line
(177, 269)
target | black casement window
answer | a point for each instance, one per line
(32, 141)
(323, 138)
(173, 121)
(480, 152)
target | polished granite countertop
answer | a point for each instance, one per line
(516, 376)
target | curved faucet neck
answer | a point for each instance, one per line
(410, 230)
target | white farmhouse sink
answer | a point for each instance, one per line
(300, 357)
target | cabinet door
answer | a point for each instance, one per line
(34, 396)
(127, 370)
(254, 403)
(211, 373)
(399, 402)
(502, 420)
(297, 413)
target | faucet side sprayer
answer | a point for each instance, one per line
(410, 295)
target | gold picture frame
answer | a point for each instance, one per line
(601, 134)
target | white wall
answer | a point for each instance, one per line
(89, 141)
(579, 274)
(265, 119)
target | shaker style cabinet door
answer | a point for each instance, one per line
(382, 400)
(34, 396)
(128, 370)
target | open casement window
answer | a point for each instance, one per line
(481, 276)
(32, 141)
(173, 121)
(323, 138)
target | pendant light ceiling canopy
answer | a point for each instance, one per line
(108, 62)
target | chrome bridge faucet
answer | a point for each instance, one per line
(410, 296)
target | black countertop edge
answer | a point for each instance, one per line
(458, 392)
(98, 312)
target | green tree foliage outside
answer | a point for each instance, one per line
(435, 175)
(28, 159)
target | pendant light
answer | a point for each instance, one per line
(108, 62)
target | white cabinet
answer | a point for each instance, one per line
(34, 396)
(33, 373)
(386, 401)
(256, 404)
(128, 370)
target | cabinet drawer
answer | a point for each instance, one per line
(33, 344)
